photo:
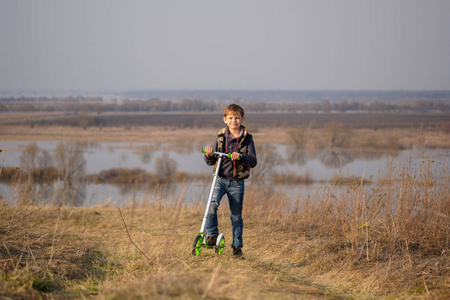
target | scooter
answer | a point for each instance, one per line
(200, 239)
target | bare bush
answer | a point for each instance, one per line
(298, 135)
(267, 160)
(33, 157)
(29, 157)
(166, 166)
(31, 180)
(69, 161)
(338, 134)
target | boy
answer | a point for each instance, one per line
(233, 139)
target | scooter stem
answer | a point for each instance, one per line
(208, 205)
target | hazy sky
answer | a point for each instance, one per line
(233, 44)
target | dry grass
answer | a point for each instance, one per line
(67, 252)
(390, 139)
(108, 134)
(390, 239)
(383, 240)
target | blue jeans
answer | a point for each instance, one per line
(235, 194)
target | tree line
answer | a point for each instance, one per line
(98, 104)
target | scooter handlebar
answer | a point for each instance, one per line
(219, 153)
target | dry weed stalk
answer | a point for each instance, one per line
(131, 240)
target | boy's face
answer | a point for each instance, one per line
(234, 121)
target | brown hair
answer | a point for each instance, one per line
(233, 109)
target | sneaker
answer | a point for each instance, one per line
(211, 240)
(237, 252)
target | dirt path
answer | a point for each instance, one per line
(267, 280)
(176, 273)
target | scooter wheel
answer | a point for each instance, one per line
(197, 246)
(220, 244)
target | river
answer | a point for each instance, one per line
(318, 166)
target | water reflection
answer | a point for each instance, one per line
(296, 156)
(73, 195)
(146, 156)
(191, 194)
(55, 193)
(268, 161)
(335, 159)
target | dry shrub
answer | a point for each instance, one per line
(125, 176)
(379, 140)
(291, 178)
(166, 166)
(181, 176)
(338, 134)
(406, 212)
(262, 203)
(267, 160)
(42, 251)
(37, 175)
(393, 234)
(298, 135)
(349, 180)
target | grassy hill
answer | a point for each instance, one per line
(352, 243)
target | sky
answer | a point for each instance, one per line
(225, 45)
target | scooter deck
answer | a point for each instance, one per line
(213, 247)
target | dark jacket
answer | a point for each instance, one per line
(234, 170)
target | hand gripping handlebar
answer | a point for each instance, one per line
(219, 153)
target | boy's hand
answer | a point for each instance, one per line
(235, 155)
(208, 151)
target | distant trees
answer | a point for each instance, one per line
(158, 105)
(97, 105)
(85, 120)
(326, 106)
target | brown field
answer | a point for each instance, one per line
(27, 115)
(406, 137)
(257, 120)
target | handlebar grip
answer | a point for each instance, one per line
(229, 154)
